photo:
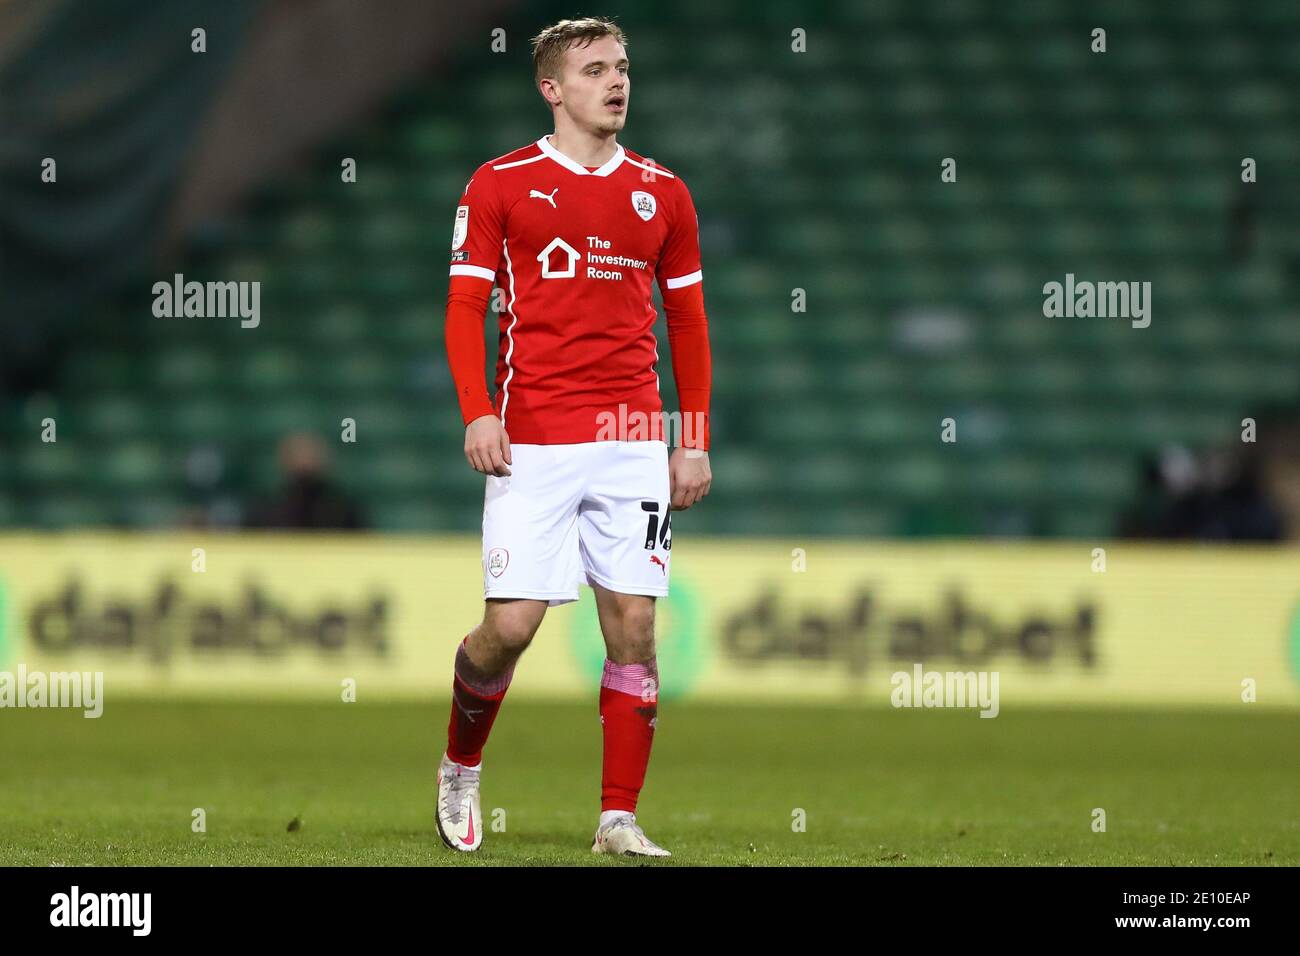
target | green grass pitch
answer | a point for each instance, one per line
(878, 786)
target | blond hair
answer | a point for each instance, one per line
(550, 45)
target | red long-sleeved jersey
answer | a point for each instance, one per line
(574, 250)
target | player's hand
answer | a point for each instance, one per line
(487, 446)
(689, 477)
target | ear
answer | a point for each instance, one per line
(550, 90)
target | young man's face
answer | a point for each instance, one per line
(594, 85)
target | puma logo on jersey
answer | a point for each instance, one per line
(538, 194)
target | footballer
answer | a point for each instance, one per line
(574, 229)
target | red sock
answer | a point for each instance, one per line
(629, 704)
(475, 701)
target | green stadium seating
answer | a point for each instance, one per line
(816, 171)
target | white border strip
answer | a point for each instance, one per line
(510, 350)
(611, 164)
(680, 281)
(521, 162)
(477, 272)
(656, 170)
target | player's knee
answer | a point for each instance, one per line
(511, 627)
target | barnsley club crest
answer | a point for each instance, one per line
(644, 204)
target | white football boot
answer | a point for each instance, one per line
(460, 823)
(622, 837)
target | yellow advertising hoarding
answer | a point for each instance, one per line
(211, 613)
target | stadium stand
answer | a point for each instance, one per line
(815, 171)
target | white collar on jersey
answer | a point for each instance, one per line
(610, 165)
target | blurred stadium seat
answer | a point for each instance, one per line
(816, 171)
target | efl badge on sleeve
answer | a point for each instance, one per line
(461, 228)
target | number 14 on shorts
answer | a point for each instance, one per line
(655, 532)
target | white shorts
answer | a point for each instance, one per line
(594, 513)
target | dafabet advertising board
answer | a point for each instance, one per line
(752, 618)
